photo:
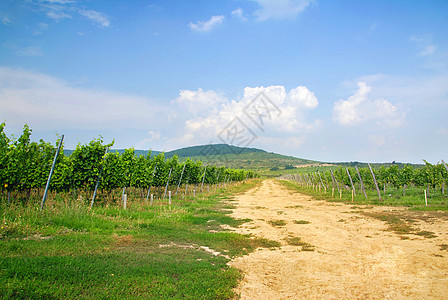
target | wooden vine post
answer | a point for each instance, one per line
(321, 181)
(98, 180)
(362, 183)
(376, 183)
(49, 176)
(149, 188)
(180, 180)
(334, 179)
(168, 182)
(203, 179)
(351, 182)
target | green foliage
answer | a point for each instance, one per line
(87, 160)
(25, 165)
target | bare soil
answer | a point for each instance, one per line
(342, 253)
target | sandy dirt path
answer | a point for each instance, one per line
(354, 256)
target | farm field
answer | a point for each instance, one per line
(340, 251)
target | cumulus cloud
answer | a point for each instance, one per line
(270, 110)
(358, 109)
(303, 97)
(280, 9)
(206, 26)
(199, 101)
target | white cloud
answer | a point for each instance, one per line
(424, 45)
(206, 26)
(58, 1)
(95, 16)
(5, 18)
(40, 28)
(276, 113)
(154, 135)
(238, 13)
(304, 97)
(280, 9)
(347, 112)
(433, 90)
(359, 109)
(68, 9)
(428, 50)
(46, 103)
(199, 101)
(57, 13)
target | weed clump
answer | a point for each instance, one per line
(277, 223)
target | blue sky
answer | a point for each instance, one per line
(349, 80)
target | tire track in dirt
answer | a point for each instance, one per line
(354, 257)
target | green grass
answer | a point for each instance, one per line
(277, 223)
(402, 223)
(301, 222)
(145, 252)
(297, 241)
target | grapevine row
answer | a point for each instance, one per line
(387, 181)
(25, 165)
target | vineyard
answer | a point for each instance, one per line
(394, 185)
(92, 173)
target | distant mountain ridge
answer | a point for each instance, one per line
(211, 150)
(192, 151)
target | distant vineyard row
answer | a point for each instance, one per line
(25, 165)
(392, 182)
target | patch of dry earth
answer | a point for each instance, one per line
(354, 258)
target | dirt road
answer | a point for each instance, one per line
(354, 256)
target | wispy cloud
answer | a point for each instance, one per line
(206, 26)
(238, 13)
(4, 18)
(68, 9)
(428, 50)
(95, 16)
(280, 9)
(41, 27)
(424, 45)
(59, 1)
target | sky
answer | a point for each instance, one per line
(328, 80)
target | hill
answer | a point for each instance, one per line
(255, 161)
(211, 150)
